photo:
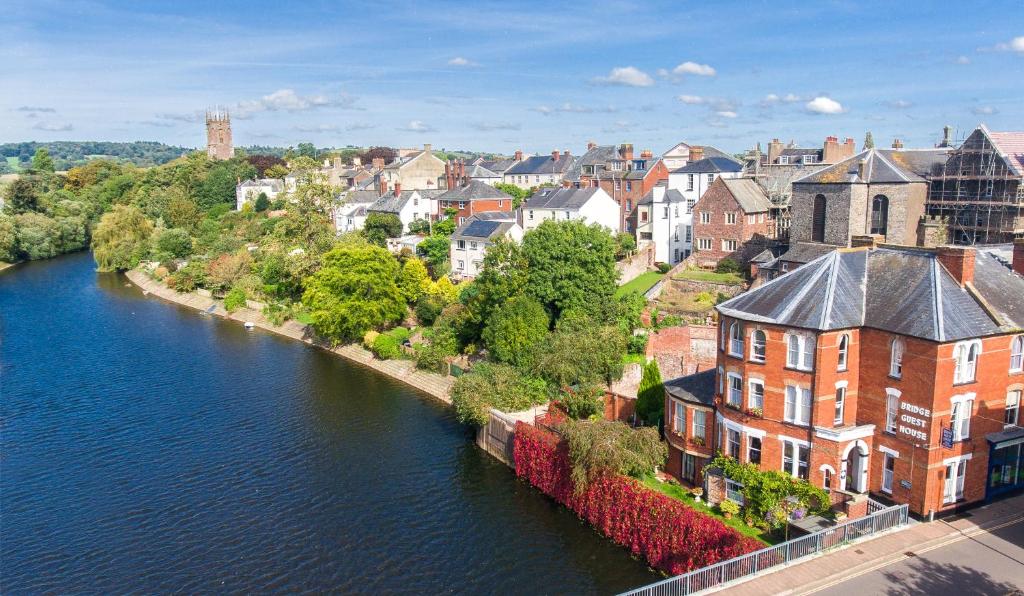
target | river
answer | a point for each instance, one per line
(148, 448)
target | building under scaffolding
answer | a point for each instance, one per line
(980, 191)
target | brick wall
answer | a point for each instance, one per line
(751, 238)
(848, 211)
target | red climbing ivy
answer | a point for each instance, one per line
(671, 536)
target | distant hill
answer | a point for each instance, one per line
(67, 154)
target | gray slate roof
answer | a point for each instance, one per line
(880, 166)
(389, 203)
(479, 228)
(478, 171)
(561, 198)
(671, 196)
(710, 165)
(499, 166)
(900, 290)
(748, 194)
(275, 184)
(698, 388)
(805, 252)
(543, 164)
(473, 191)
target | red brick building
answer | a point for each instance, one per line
(624, 176)
(732, 219)
(889, 370)
(471, 198)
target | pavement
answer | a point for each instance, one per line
(978, 552)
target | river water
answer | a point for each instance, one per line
(147, 448)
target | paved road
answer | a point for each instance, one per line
(989, 563)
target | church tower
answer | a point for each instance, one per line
(218, 135)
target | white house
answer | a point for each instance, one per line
(592, 205)
(472, 239)
(408, 205)
(540, 169)
(693, 179)
(250, 190)
(665, 219)
(408, 241)
(350, 215)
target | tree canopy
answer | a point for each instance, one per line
(515, 330)
(121, 238)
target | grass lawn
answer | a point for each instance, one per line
(304, 317)
(678, 492)
(710, 276)
(644, 282)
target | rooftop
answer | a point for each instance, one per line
(473, 191)
(710, 165)
(697, 388)
(561, 198)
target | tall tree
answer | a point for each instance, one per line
(41, 161)
(650, 397)
(22, 196)
(515, 330)
(121, 238)
(381, 226)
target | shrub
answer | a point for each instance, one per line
(494, 386)
(583, 403)
(234, 300)
(650, 401)
(262, 203)
(729, 507)
(664, 267)
(400, 334)
(386, 347)
(609, 446)
(188, 278)
(670, 535)
(428, 308)
(368, 339)
(765, 490)
(637, 343)
(727, 265)
(515, 330)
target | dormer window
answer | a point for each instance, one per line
(784, 160)
(810, 158)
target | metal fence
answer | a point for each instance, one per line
(719, 574)
(874, 506)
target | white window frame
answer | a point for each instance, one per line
(751, 393)
(896, 349)
(678, 417)
(1012, 414)
(888, 475)
(754, 356)
(721, 381)
(892, 409)
(460, 244)
(702, 433)
(736, 339)
(734, 491)
(730, 433)
(751, 218)
(798, 447)
(1017, 354)
(960, 416)
(705, 218)
(804, 352)
(956, 472)
(689, 182)
(783, 160)
(711, 179)
(730, 218)
(844, 352)
(750, 449)
(840, 414)
(734, 397)
(797, 405)
(729, 245)
(965, 368)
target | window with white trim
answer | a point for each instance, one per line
(461, 244)
(705, 217)
(751, 218)
(844, 351)
(700, 425)
(721, 335)
(795, 459)
(892, 408)
(953, 488)
(758, 344)
(888, 472)
(735, 398)
(965, 357)
(689, 182)
(840, 406)
(960, 418)
(756, 398)
(704, 244)
(1017, 354)
(896, 347)
(1012, 414)
(799, 351)
(711, 178)
(733, 443)
(729, 245)
(753, 449)
(797, 408)
(678, 417)
(736, 340)
(734, 491)
(721, 380)
(730, 217)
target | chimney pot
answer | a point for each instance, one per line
(555, 155)
(519, 155)
(426, 147)
(1018, 256)
(383, 187)
(849, 141)
(398, 189)
(591, 145)
(959, 262)
(897, 144)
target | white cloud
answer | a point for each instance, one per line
(359, 126)
(460, 61)
(417, 126)
(544, 110)
(984, 111)
(490, 126)
(628, 76)
(899, 104)
(692, 68)
(770, 100)
(692, 100)
(290, 101)
(317, 128)
(962, 60)
(35, 109)
(571, 108)
(53, 126)
(824, 105)
(1014, 45)
(726, 114)
(791, 98)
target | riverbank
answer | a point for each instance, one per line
(5, 265)
(405, 371)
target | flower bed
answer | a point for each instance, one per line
(671, 536)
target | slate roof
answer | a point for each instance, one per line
(748, 194)
(389, 203)
(900, 290)
(669, 196)
(698, 388)
(475, 190)
(478, 171)
(561, 198)
(275, 184)
(495, 216)
(710, 165)
(362, 196)
(879, 167)
(805, 252)
(923, 162)
(543, 164)
(475, 228)
(499, 166)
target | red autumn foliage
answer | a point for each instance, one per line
(671, 536)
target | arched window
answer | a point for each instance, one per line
(758, 343)
(736, 340)
(800, 351)
(879, 214)
(896, 358)
(844, 351)
(965, 357)
(1017, 354)
(818, 219)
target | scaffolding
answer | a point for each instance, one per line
(977, 194)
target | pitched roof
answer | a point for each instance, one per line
(389, 203)
(475, 190)
(710, 165)
(880, 166)
(494, 216)
(543, 164)
(361, 196)
(482, 229)
(1011, 146)
(478, 171)
(561, 198)
(697, 388)
(900, 290)
(662, 195)
(275, 184)
(498, 166)
(748, 194)
(805, 252)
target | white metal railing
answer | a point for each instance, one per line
(875, 506)
(716, 576)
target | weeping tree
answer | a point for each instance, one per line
(611, 447)
(121, 239)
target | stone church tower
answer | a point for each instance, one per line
(218, 135)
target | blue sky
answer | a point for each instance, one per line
(507, 75)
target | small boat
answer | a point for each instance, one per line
(249, 324)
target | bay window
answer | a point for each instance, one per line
(735, 398)
(736, 340)
(733, 447)
(678, 417)
(700, 425)
(756, 398)
(753, 450)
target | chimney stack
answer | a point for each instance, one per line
(862, 166)
(378, 163)
(626, 151)
(383, 186)
(554, 155)
(398, 189)
(646, 154)
(696, 154)
(426, 147)
(591, 145)
(947, 136)
(774, 151)
(1018, 256)
(519, 155)
(959, 262)
(897, 144)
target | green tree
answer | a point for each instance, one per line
(22, 196)
(624, 244)
(354, 292)
(8, 239)
(571, 264)
(497, 386)
(517, 194)
(435, 250)
(414, 281)
(182, 212)
(175, 242)
(381, 226)
(38, 236)
(650, 401)
(607, 446)
(121, 238)
(307, 150)
(515, 329)
(41, 161)
(503, 276)
(262, 203)
(583, 354)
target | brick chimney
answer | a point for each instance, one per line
(383, 186)
(519, 155)
(555, 155)
(626, 151)
(591, 145)
(897, 144)
(696, 153)
(774, 150)
(1018, 256)
(398, 189)
(646, 154)
(959, 262)
(426, 147)
(449, 175)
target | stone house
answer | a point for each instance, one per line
(591, 205)
(249, 190)
(415, 170)
(733, 220)
(472, 238)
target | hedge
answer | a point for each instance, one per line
(669, 535)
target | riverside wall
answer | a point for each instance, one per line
(436, 385)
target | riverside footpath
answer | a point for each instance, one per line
(438, 386)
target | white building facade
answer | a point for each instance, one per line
(665, 219)
(591, 205)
